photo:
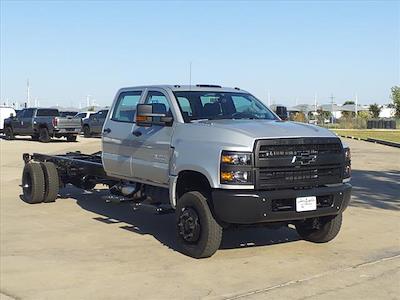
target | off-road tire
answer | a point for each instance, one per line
(9, 133)
(33, 183)
(52, 182)
(44, 135)
(328, 230)
(86, 131)
(71, 138)
(35, 137)
(210, 231)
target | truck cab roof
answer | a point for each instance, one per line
(197, 87)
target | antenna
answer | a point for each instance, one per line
(269, 98)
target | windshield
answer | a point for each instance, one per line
(197, 105)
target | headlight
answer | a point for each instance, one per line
(236, 158)
(235, 177)
(236, 168)
(347, 163)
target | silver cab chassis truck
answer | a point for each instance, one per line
(216, 156)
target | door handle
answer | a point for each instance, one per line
(137, 133)
(107, 130)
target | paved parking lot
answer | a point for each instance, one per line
(81, 247)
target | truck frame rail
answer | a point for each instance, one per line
(79, 169)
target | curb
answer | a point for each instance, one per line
(382, 142)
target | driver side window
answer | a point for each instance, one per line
(161, 101)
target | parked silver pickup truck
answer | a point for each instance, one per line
(219, 157)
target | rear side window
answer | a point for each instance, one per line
(47, 113)
(160, 101)
(125, 108)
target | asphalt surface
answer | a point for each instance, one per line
(83, 248)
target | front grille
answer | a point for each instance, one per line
(316, 176)
(298, 163)
(267, 152)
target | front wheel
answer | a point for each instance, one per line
(199, 235)
(320, 230)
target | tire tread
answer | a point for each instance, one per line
(52, 182)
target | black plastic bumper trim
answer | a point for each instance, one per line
(251, 207)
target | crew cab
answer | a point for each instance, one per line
(41, 124)
(217, 156)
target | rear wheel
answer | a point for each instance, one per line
(71, 138)
(44, 135)
(9, 133)
(86, 131)
(33, 183)
(199, 235)
(320, 230)
(52, 182)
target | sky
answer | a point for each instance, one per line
(291, 50)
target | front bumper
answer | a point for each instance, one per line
(250, 207)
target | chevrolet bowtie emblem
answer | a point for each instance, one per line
(304, 158)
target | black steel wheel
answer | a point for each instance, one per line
(189, 225)
(33, 183)
(198, 233)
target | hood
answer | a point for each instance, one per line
(269, 129)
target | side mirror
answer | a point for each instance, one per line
(152, 114)
(282, 113)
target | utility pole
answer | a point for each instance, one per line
(315, 108)
(356, 105)
(88, 100)
(332, 103)
(28, 94)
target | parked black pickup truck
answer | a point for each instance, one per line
(41, 124)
